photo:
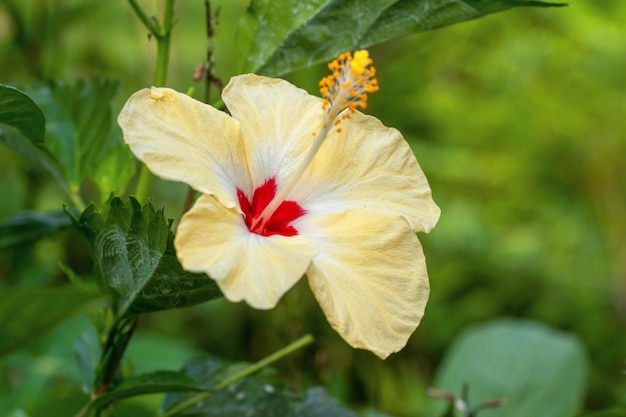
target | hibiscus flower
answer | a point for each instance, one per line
(292, 185)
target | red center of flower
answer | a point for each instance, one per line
(279, 222)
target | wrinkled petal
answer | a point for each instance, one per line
(182, 139)
(367, 165)
(369, 278)
(278, 122)
(257, 269)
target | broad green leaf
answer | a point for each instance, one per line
(82, 135)
(280, 36)
(20, 111)
(45, 366)
(155, 382)
(22, 129)
(136, 260)
(538, 371)
(31, 225)
(255, 396)
(28, 312)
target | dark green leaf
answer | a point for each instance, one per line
(31, 225)
(19, 111)
(134, 252)
(256, 396)
(537, 371)
(22, 128)
(28, 312)
(155, 382)
(280, 36)
(82, 134)
(606, 413)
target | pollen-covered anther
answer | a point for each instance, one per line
(351, 79)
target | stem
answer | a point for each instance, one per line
(211, 19)
(113, 353)
(163, 45)
(117, 341)
(150, 24)
(300, 343)
(162, 35)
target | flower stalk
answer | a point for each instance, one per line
(161, 33)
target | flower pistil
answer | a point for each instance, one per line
(351, 79)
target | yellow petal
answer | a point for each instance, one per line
(367, 165)
(369, 278)
(182, 139)
(258, 269)
(278, 121)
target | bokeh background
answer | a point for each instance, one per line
(518, 120)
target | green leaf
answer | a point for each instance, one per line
(538, 371)
(256, 396)
(82, 134)
(136, 260)
(606, 413)
(115, 167)
(22, 129)
(283, 35)
(31, 225)
(28, 312)
(155, 382)
(19, 111)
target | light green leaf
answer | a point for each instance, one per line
(115, 167)
(28, 312)
(136, 260)
(31, 225)
(536, 370)
(280, 36)
(82, 135)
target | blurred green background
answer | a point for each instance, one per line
(518, 120)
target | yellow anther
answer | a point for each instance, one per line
(350, 80)
(360, 61)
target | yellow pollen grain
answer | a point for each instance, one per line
(359, 62)
(350, 80)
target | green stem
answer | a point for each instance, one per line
(163, 45)
(161, 33)
(298, 344)
(149, 23)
